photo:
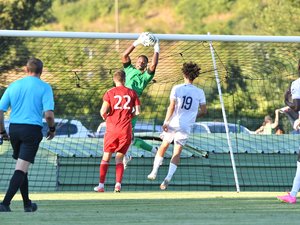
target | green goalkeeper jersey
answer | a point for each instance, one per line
(137, 80)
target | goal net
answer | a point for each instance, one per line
(244, 79)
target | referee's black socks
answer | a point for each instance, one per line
(15, 183)
(24, 191)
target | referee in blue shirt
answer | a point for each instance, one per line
(29, 99)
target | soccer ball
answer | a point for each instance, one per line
(148, 39)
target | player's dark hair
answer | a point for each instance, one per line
(120, 76)
(191, 70)
(145, 57)
(35, 65)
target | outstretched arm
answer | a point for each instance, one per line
(126, 53)
(276, 121)
(155, 57)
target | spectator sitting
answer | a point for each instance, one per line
(268, 127)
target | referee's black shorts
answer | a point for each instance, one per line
(25, 140)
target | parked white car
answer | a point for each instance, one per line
(64, 128)
(140, 127)
(198, 127)
(67, 128)
(218, 127)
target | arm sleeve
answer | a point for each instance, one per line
(106, 97)
(173, 93)
(127, 64)
(202, 98)
(128, 70)
(48, 100)
(149, 76)
(150, 72)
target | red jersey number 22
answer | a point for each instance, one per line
(119, 103)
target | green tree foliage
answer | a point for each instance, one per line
(20, 15)
(205, 16)
(69, 12)
(268, 17)
(24, 14)
(260, 17)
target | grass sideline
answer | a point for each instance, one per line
(167, 207)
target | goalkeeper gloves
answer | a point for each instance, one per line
(140, 40)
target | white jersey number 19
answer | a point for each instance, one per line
(187, 102)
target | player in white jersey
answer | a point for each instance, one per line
(295, 91)
(186, 103)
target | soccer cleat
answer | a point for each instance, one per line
(287, 198)
(151, 176)
(127, 158)
(117, 188)
(4, 208)
(164, 184)
(31, 208)
(98, 189)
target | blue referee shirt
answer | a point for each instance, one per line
(28, 98)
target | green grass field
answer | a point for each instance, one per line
(167, 207)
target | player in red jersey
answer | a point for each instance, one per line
(120, 105)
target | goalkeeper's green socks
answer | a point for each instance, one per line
(140, 143)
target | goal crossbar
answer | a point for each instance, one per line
(131, 36)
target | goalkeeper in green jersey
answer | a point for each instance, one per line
(138, 77)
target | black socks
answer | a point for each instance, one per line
(16, 182)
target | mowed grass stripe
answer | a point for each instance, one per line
(167, 207)
(146, 195)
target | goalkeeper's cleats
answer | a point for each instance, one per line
(164, 184)
(287, 198)
(4, 208)
(117, 188)
(32, 207)
(151, 176)
(127, 158)
(98, 189)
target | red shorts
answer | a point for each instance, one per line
(117, 142)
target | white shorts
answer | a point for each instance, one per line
(178, 137)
